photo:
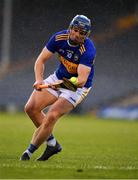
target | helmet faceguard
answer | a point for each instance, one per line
(82, 23)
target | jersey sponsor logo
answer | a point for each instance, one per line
(70, 66)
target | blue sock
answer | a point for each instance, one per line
(50, 137)
(32, 148)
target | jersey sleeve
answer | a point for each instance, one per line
(88, 57)
(51, 44)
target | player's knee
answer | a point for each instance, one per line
(53, 116)
(29, 108)
(51, 119)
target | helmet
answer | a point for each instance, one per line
(81, 22)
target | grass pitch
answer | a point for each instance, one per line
(92, 148)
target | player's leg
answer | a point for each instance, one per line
(45, 129)
(34, 109)
(36, 103)
(59, 108)
(74, 98)
(40, 100)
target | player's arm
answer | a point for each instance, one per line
(84, 68)
(83, 73)
(40, 66)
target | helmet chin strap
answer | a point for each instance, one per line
(71, 42)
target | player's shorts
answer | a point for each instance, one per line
(73, 97)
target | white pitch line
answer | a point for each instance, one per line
(100, 167)
(114, 168)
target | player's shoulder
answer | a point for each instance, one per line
(89, 46)
(89, 43)
(65, 31)
(61, 35)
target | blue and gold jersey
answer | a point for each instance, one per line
(71, 56)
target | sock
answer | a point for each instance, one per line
(29, 153)
(50, 137)
(51, 141)
(31, 149)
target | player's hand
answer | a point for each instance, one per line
(53, 87)
(37, 84)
